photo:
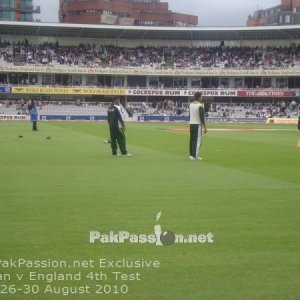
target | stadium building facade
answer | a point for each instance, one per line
(18, 10)
(123, 12)
(287, 13)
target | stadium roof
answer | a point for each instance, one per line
(150, 33)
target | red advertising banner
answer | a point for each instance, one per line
(265, 93)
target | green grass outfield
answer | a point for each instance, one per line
(246, 191)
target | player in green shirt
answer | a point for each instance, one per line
(117, 129)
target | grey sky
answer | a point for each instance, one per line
(210, 12)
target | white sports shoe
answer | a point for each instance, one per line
(192, 158)
(199, 158)
(127, 155)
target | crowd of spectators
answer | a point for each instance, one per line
(169, 107)
(254, 110)
(87, 55)
(6, 52)
(165, 107)
(222, 110)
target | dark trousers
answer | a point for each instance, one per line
(195, 139)
(117, 137)
(299, 123)
(34, 125)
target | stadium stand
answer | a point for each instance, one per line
(75, 70)
(135, 109)
(54, 54)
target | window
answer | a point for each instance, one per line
(26, 17)
(153, 82)
(281, 82)
(33, 78)
(123, 15)
(117, 81)
(253, 82)
(238, 82)
(287, 19)
(180, 82)
(266, 82)
(7, 4)
(3, 78)
(62, 79)
(224, 83)
(13, 78)
(76, 80)
(106, 12)
(165, 82)
(26, 3)
(196, 83)
(206, 82)
(91, 80)
(47, 79)
(5, 15)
